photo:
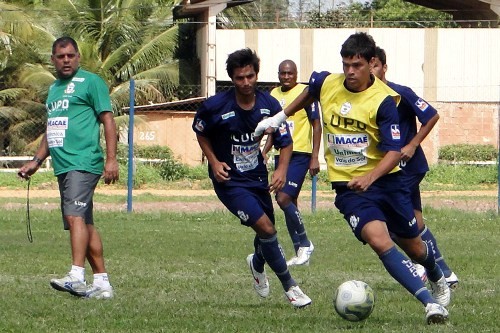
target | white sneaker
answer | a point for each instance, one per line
(70, 284)
(421, 272)
(440, 291)
(452, 281)
(99, 292)
(297, 298)
(304, 254)
(435, 314)
(260, 281)
(292, 261)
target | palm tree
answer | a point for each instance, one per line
(119, 40)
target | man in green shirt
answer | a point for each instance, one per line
(77, 103)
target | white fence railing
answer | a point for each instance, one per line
(4, 163)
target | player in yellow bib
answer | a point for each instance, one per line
(362, 151)
(305, 127)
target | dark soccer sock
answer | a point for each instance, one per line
(433, 271)
(294, 218)
(403, 271)
(428, 237)
(293, 235)
(273, 253)
(258, 258)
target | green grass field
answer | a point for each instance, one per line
(187, 273)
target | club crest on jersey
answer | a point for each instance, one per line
(228, 115)
(70, 88)
(265, 111)
(421, 104)
(282, 102)
(345, 108)
(395, 132)
(200, 125)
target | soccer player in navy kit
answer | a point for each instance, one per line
(362, 152)
(413, 160)
(224, 127)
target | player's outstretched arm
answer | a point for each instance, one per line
(269, 125)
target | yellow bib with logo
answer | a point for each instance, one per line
(350, 129)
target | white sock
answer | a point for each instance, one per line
(101, 280)
(78, 272)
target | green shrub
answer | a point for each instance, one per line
(468, 152)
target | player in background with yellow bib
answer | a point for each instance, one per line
(305, 127)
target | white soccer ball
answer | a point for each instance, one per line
(354, 300)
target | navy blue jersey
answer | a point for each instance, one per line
(410, 109)
(230, 130)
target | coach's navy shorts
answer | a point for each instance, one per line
(246, 203)
(77, 192)
(412, 181)
(387, 199)
(296, 173)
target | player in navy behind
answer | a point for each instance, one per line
(362, 152)
(224, 127)
(413, 160)
(305, 127)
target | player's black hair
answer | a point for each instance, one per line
(63, 42)
(380, 54)
(242, 58)
(360, 44)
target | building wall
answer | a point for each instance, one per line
(456, 70)
(172, 129)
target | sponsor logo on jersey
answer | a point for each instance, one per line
(395, 132)
(282, 102)
(200, 125)
(345, 108)
(70, 88)
(265, 111)
(228, 115)
(57, 123)
(421, 104)
(78, 79)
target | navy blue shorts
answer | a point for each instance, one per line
(412, 181)
(296, 173)
(77, 192)
(246, 203)
(387, 199)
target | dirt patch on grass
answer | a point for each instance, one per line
(205, 200)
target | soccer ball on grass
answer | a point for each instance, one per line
(354, 300)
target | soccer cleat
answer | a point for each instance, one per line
(435, 314)
(260, 281)
(293, 262)
(421, 272)
(99, 292)
(452, 281)
(304, 254)
(440, 291)
(297, 298)
(70, 284)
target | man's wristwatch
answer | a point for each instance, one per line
(37, 160)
